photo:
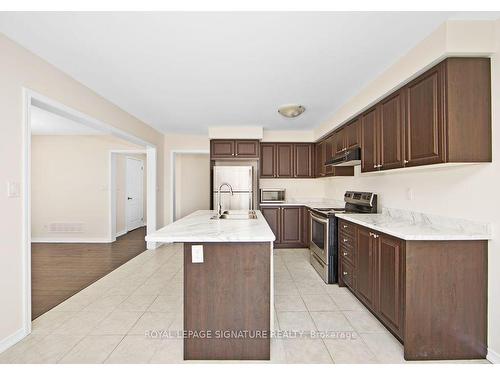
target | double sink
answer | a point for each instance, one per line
(235, 215)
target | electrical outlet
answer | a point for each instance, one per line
(197, 253)
(409, 194)
(13, 189)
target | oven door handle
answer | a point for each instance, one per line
(318, 218)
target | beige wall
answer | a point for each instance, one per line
(179, 142)
(20, 68)
(121, 189)
(70, 184)
(192, 183)
(463, 191)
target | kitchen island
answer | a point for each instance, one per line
(228, 294)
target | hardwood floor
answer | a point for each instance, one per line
(59, 270)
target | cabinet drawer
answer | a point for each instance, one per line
(348, 274)
(346, 240)
(346, 227)
(347, 254)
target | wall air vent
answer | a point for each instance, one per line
(65, 227)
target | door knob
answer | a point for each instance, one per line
(129, 198)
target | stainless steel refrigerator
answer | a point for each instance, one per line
(241, 180)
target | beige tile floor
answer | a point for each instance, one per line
(106, 322)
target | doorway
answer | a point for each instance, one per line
(56, 234)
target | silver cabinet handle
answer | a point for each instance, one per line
(345, 254)
(406, 161)
(374, 165)
(345, 240)
(376, 236)
(344, 226)
(344, 273)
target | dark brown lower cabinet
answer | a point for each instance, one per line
(289, 224)
(432, 295)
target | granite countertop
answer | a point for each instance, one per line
(421, 228)
(198, 227)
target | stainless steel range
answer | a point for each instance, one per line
(323, 232)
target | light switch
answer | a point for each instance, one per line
(13, 189)
(197, 253)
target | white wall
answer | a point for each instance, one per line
(20, 69)
(70, 184)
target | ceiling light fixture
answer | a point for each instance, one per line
(291, 110)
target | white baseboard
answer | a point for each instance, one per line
(121, 233)
(493, 356)
(7, 342)
(70, 240)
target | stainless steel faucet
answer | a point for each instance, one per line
(219, 208)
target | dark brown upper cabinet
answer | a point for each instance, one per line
(268, 160)
(287, 160)
(390, 137)
(369, 147)
(443, 115)
(353, 134)
(284, 159)
(424, 119)
(303, 160)
(234, 149)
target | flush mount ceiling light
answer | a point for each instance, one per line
(291, 110)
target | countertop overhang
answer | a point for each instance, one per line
(199, 227)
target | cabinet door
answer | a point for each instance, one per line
(353, 134)
(305, 226)
(424, 119)
(369, 123)
(273, 218)
(291, 225)
(390, 281)
(391, 132)
(340, 144)
(267, 160)
(284, 160)
(320, 159)
(247, 148)
(330, 143)
(222, 148)
(365, 265)
(303, 160)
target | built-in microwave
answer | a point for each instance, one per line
(272, 195)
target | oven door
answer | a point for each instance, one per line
(318, 240)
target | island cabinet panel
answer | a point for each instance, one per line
(227, 294)
(432, 295)
(424, 123)
(234, 148)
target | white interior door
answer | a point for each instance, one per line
(134, 197)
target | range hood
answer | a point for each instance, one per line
(349, 158)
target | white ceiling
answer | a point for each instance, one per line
(185, 72)
(47, 123)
